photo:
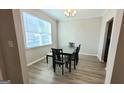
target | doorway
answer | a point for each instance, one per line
(108, 39)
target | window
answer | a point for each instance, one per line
(37, 31)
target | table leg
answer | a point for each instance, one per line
(47, 59)
(54, 67)
(70, 64)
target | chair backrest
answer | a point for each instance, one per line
(76, 54)
(76, 51)
(79, 46)
(57, 54)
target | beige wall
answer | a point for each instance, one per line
(20, 42)
(37, 53)
(117, 15)
(84, 31)
(118, 70)
(9, 47)
(2, 65)
(1, 77)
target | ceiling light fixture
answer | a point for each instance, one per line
(70, 12)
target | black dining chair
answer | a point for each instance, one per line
(74, 57)
(78, 53)
(58, 59)
(78, 50)
(79, 46)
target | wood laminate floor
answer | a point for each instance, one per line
(89, 71)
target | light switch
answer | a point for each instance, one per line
(11, 43)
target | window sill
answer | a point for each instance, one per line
(38, 47)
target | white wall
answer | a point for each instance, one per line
(109, 14)
(39, 52)
(84, 31)
(117, 14)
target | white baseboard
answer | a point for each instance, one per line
(105, 68)
(36, 61)
(92, 55)
(88, 54)
(101, 60)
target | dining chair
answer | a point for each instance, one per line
(79, 46)
(58, 59)
(74, 57)
(78, 50)
(48, 55)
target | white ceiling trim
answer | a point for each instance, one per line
(58, 14)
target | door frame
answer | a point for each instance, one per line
(105, 37)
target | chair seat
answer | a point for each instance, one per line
(49, 54)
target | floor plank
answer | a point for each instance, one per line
(89, 71)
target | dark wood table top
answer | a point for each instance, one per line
(68, 50)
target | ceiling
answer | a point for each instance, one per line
(58, 14)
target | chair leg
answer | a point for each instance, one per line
(74, 64)
(77, 60)
(70, 65)
(62, 69)
(66, 65)
(54, 67)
